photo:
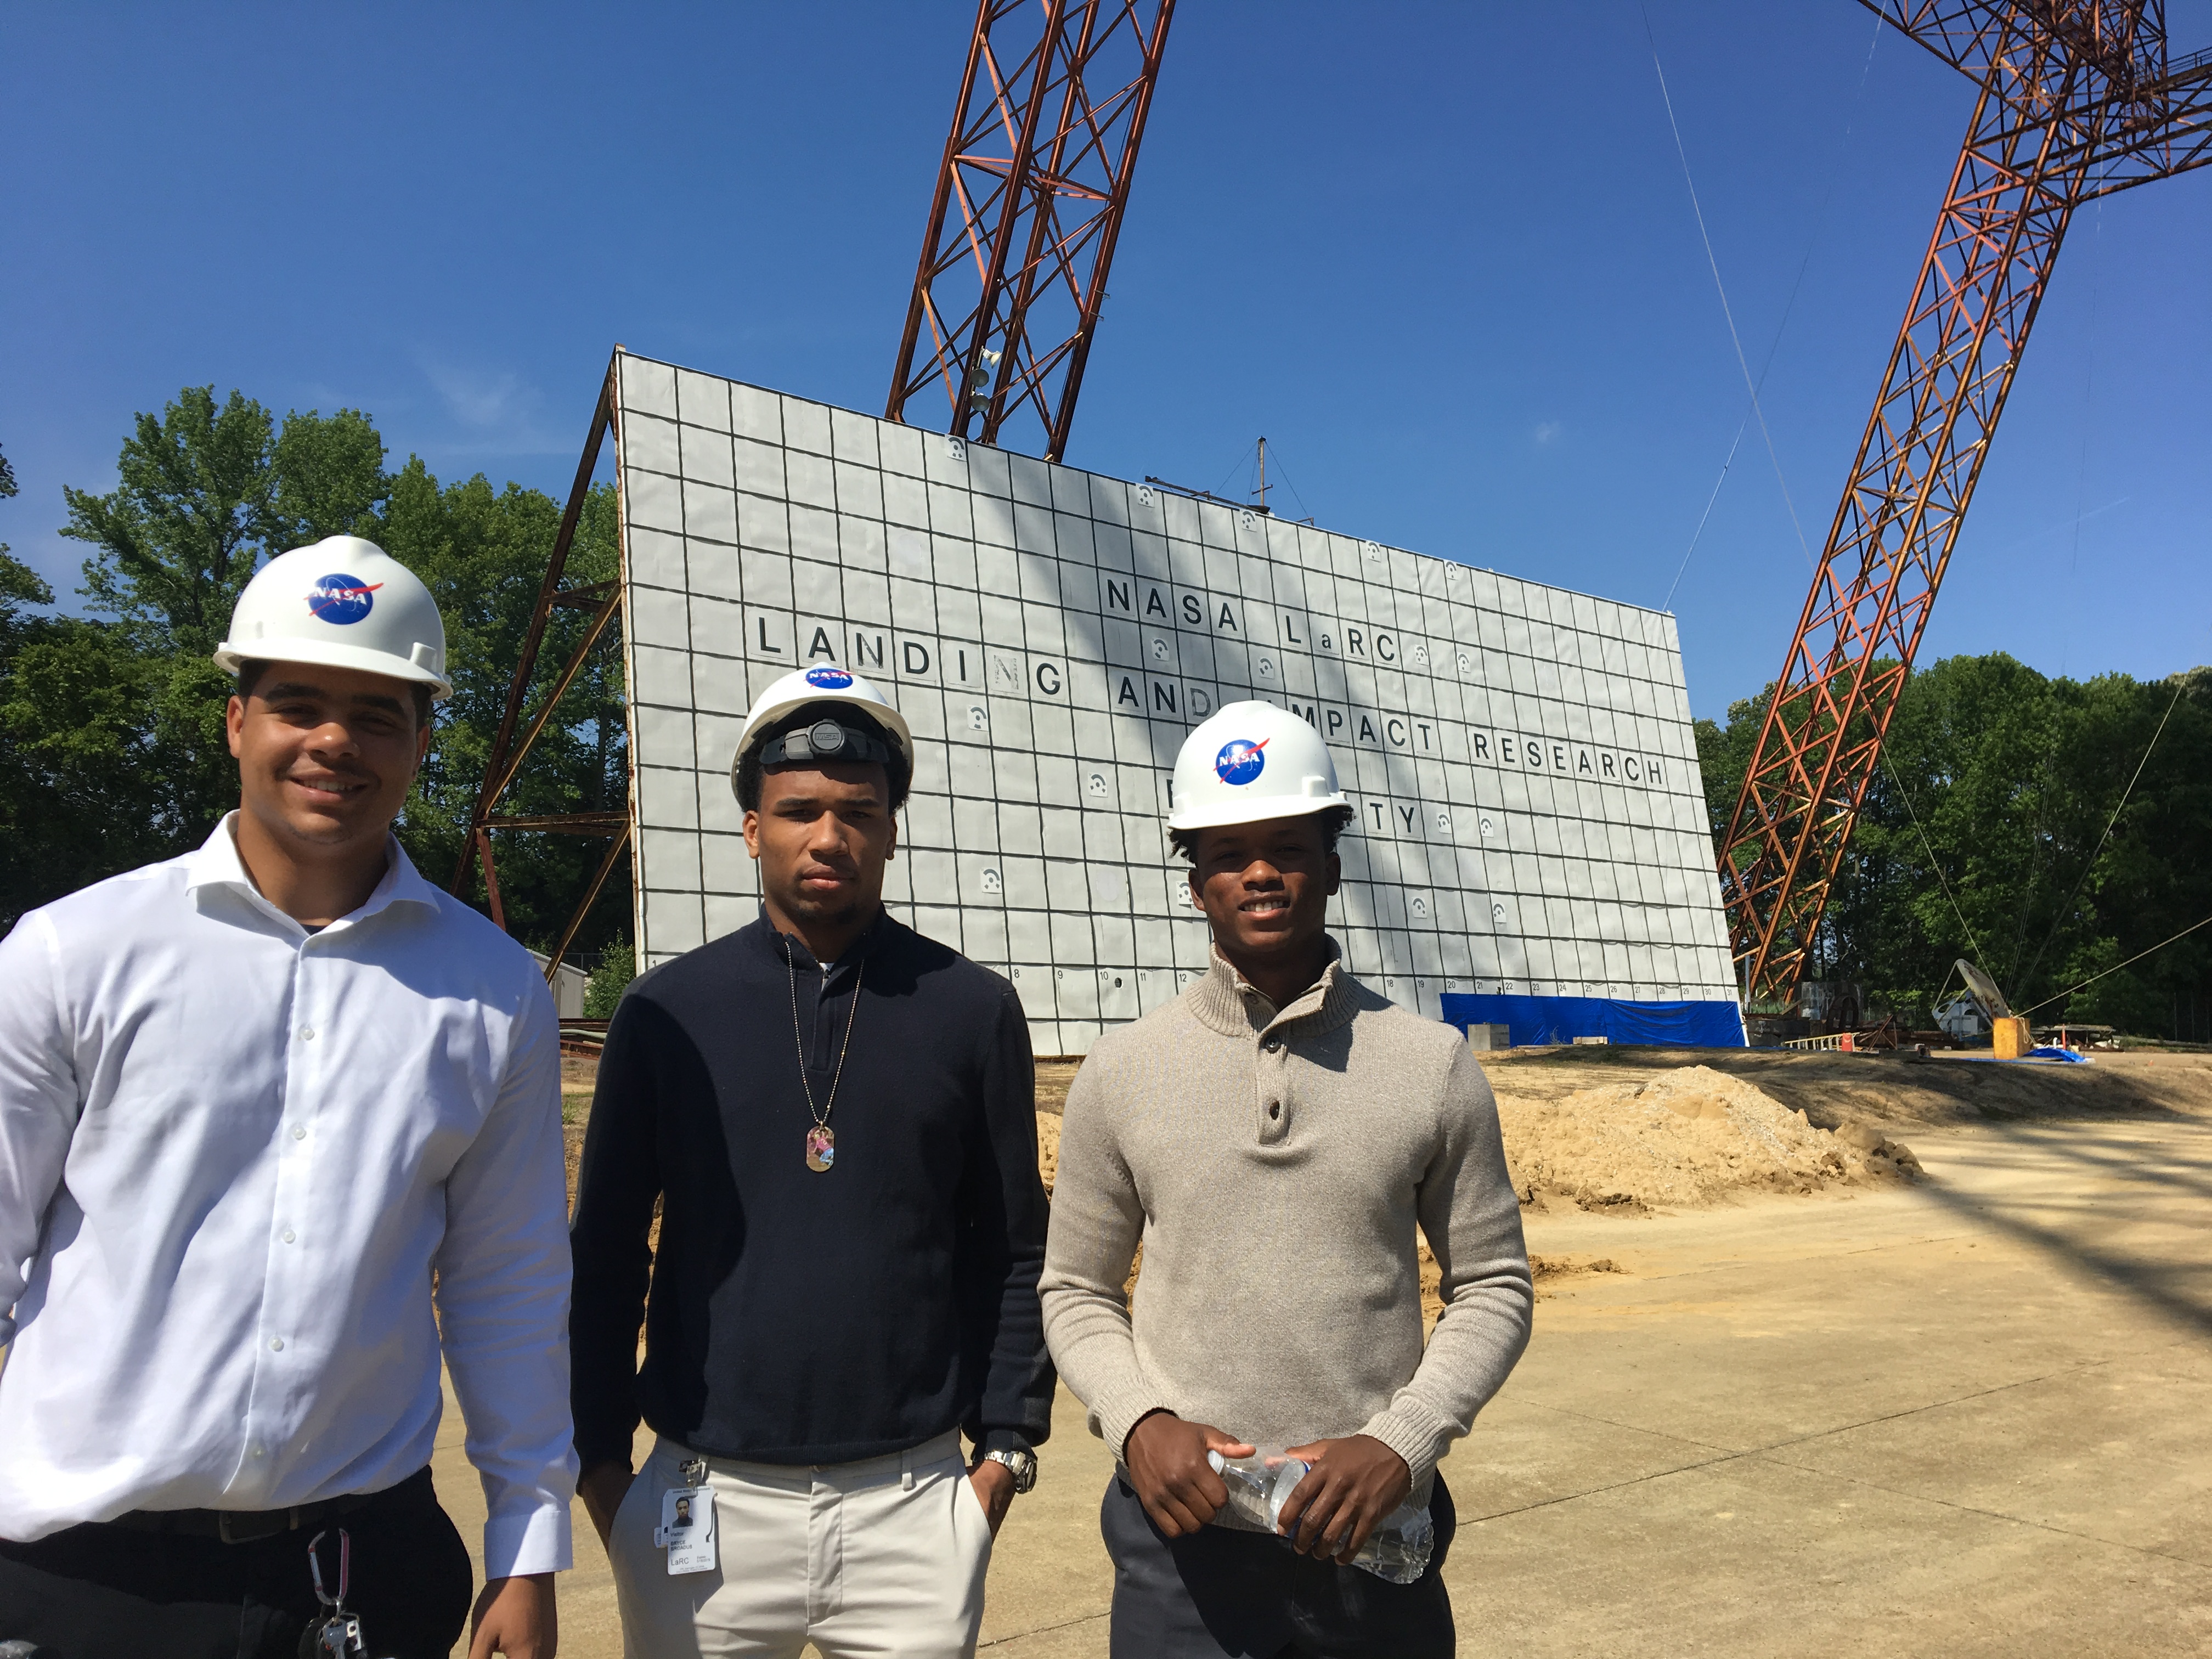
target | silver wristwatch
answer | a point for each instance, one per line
(1021, 1462)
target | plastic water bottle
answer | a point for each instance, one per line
(1397, 1552)
(1259, 1485)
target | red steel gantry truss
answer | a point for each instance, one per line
(1043, 145)
(504, 760)
(2078, 100)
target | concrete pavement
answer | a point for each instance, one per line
(1965, 1418)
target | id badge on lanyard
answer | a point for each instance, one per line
(687, 1522)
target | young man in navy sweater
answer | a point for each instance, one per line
(838, 1117)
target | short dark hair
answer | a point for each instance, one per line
(249, 672)
(750, 770)
(1334, 821)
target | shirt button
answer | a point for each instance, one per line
(277, 1344)
(1274, 1108)
(289, 1235)
(1272, 1045)
(257, 1450)
(299, 1132)
(306, 1034)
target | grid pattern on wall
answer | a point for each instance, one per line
(1520, 757)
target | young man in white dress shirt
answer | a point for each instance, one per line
(252, 1100)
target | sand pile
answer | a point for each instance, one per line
(1691, 1137)
(1048, 1148)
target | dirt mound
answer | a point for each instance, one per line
(1688, 1138)
(1048, 1148)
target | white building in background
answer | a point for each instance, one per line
(568, 986)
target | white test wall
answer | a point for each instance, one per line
(1529, 814)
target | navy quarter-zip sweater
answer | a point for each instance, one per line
(796, 1317)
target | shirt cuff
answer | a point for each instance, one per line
(1118, 1412)
(1004, 1440)
(531, 1541)
(1415, 1433)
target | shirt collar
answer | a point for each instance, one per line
(1232, 1004)
(789, 947)
(217, 863)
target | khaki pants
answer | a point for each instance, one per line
(881, 1557)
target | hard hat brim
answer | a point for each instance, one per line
(1258, 810)
(229, 657)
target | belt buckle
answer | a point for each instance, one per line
(252, 1526)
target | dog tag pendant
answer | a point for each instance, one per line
(821, 1147)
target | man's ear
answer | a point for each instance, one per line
(752, 833)
(1335, 873)
(234, 718)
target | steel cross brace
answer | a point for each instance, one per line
(1039, 165)
(504, 760)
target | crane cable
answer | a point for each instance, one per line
(1727, 311)
(1933, 862)
(1788, 305)
(2116, 966)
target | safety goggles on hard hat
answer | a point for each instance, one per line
(825, 740)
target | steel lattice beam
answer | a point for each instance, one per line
(1029, 197)
(2071, 95)
(506, 754)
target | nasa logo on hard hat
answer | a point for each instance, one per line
(828, 680)
(1240, 761)
(341, 599)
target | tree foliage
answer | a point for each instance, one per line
(112, 746)
(1984, 835)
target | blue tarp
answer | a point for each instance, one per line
(1560, 1019)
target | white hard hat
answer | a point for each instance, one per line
(342, 603)
(823, 683)
(1252, 761)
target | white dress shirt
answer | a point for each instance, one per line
(232, 1155)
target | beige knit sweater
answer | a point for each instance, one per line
(1274, 1164)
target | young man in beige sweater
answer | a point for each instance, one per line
(1272, 1138)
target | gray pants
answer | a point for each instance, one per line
(1250, 1596)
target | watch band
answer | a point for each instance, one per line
(1020, 1462)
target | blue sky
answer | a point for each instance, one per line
(1441, 255)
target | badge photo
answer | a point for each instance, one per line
(687, 1528)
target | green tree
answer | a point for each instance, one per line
(483, 554)
(112, 745)
(1983, 835)
(617, 966)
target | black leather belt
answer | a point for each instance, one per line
(250, 1526)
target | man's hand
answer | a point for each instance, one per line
(994, 1488)
(1166, 1457)
(602, 1487)
(1353, 1483)
(515, 1617)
